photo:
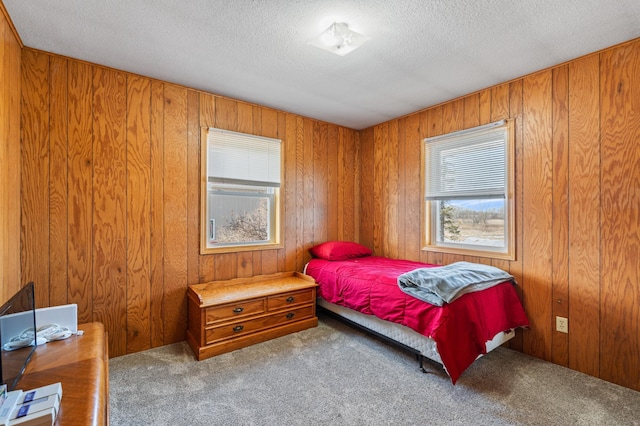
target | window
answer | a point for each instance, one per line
(469, 191)
(241, 191)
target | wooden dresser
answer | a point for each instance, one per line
(81, 364)
(228, 315)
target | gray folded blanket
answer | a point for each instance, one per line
(444, 284)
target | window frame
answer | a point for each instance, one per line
(429, 236)
(276, 232)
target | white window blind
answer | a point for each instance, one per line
(238, 158)
(470, 164)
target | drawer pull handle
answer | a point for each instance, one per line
(238, 310)
(290, 315)
(238, 328)
(290, 299)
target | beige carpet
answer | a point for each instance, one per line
(335, 375)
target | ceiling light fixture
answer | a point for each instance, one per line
(339, 39)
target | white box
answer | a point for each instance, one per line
(13, 325)
(41, 418)
(63, 316)
(6, 409)
(39, 411)
(42, 392)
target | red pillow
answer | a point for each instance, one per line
(339, 250)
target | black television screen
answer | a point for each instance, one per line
(17, 336)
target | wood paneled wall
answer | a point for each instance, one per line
(111, 194)
(9, 159)
(577, 198)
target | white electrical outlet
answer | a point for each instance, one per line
(562, 324)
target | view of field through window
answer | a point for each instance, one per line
(473, 222)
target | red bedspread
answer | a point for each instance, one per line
(460, 329)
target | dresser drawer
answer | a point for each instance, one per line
(251, 325)
(232, 311)
(294, 298)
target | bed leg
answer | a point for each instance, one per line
(421, 359)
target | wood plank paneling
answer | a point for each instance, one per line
(356, 142)
(308, 180)
(349, 188)
(391, 228)
(379, 188)
(301, 256)
(34, 203)
(80, 187)
(256, 114)
(244, 262)
(226, 265)
(110, 205)
(366, 188)
(10, 168)
(402, 189)
(484, 106)
(58, 183)
(560, 296)
(620, 216)
(584, 203)
(157, 214)
(269, 123)
(333, 208)
(453, 116)
(500, 102)
(537, 203)
(269, 262)
(175, 213)
(290, 191)
(138, 214)
(320, 181)
(413, 188)
(245, 117)
(208, 111)
(193, 187)
(471, 116)
(226, 114)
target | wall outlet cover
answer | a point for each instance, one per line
(562, 324)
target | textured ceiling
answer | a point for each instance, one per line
(421, 52)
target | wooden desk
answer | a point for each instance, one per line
(81, 364)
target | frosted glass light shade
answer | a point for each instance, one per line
(339, 39)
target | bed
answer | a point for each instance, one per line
(364, 290)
